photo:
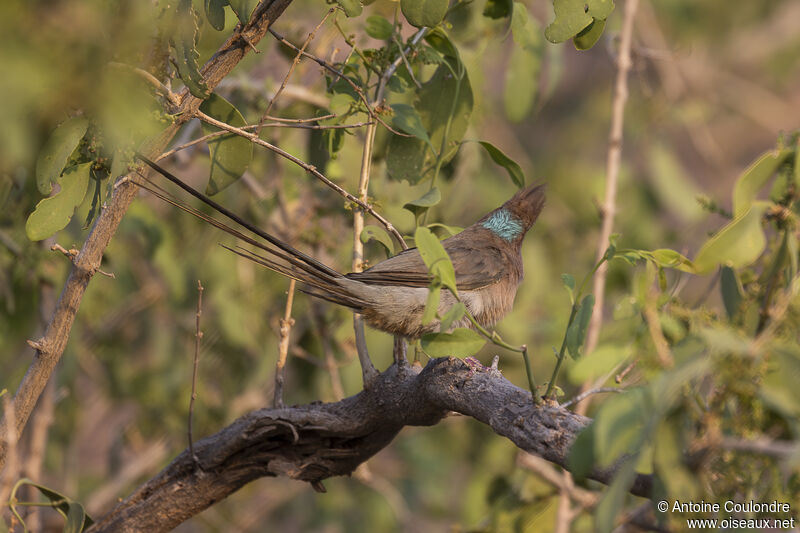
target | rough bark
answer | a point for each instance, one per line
(320, 440)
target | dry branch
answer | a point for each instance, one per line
(317, 441)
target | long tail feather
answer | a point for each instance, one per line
(314, 284)
(310, 261)
(318, 279)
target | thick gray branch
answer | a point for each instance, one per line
(318, 441)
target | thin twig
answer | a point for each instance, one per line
(291, 69)
(331, 364)
(654, 327)
(198, 335)
(8, 475)
(300, 124)
(548, 472)
(763, 446)
(582, 396)
(283, 346)
(308, 168)
(612, 173)
(359, 91)
(72, 253)
(165, 91)
(619, 377)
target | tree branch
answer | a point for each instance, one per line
(317, 441)
(51, 346)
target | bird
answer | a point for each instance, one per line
(392, 294)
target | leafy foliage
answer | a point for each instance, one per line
(701, 315)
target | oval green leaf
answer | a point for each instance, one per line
(379, 28)
(230, 154)
(352, 8)
(737, 244)
(56, 152)
(462, 342)
(576, 332)
(424, 202)
(407, 120)
(243, 9)
(511, 166)
(444, 99)
(604, 359)
(378, 234)
(431, 304)
(589, 35)
(752, 179)
(54, 213)
(435, 257)
(215, 13)
(424, 13)
(454, 314)
(574, 16)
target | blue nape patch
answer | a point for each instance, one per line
(503, 224)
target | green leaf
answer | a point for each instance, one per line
(68, 508)
(668, 461)
(797, 164)
(604, 360)
(614, 498)
(424, 13)
(215, 13)
(664, 257)
(435, 258)
(54, 213)
(497, 9)
(462, 342)
(619, 426)
(522, 73)
(380, 235)
(431, 304)
(56, 151)
(341, 103)
(576, 332)
(425, 202)
(780, 388)
(573, 16)
(454, 314)
(184, 40)
(737, 244)
(444, 100)
(449, 230)
(569, 284)
(671, 185)
(407, 120)
(75, 518)
(589, 35)
(581, 453)
(244, 9)
(439, 41)
(379, 28)
(731, 289)
(352, 8)
(511, 166)
(756, 175)
(230, 154)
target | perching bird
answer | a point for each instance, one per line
(392, 295)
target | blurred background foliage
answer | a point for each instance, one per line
(712, 87)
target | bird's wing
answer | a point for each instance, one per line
(475, 266)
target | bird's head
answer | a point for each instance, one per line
(515, 217)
